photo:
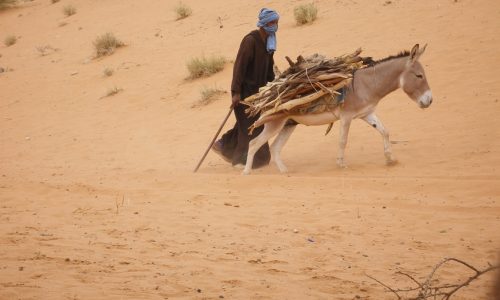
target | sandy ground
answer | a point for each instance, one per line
(97, 195)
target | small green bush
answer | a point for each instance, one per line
(7, 3)
(10, 40)
(183, 11)
(306, 13)
(106, 44)
(69, 10)
(201, 67)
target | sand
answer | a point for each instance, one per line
(97, 195)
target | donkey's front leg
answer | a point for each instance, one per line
(374, 121)
(271, 128)
(345, 124)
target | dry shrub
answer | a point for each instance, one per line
(113, 91)
(54, 1)
(106, 44)
(209, 94)
(7, 3)
(201, 67)
(108, 72)
(183, 11)
(69, 10)
(45, 50)
(10, 40)
(306, 13)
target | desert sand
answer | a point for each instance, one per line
(98, 199)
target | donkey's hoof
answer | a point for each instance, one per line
(391, 162)
(239, 166)
(341, 164)
(283, 170)
(245, 172)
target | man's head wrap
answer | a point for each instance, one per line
(267, 15)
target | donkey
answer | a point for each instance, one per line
(368, 87)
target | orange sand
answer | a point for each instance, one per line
(97, 195)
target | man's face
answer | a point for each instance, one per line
(272, 23)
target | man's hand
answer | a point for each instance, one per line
(236, 100)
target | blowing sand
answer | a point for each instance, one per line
(97, 195)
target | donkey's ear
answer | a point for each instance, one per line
(422, 51)
(414, 54)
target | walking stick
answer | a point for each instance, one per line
(213, 140)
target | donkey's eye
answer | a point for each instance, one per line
(419, 75)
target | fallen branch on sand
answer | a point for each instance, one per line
(430, 289)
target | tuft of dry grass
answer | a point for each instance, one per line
(6, 69)
(182, 11)
(45, 50)
(305, 13)
(7, 3)
(108, 72)
(113, 91)
(106, 44)
(69, 10)
(203, 66)
(10, 40)
(209, 94)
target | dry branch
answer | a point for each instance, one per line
(428, 290)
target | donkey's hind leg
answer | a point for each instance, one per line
(278, 144)
(271, 128)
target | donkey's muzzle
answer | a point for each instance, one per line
(425, 100)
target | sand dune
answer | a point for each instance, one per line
(97, 195)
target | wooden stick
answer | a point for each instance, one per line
(213, 140)
(295, 102)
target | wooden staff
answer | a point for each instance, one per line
(213, 140)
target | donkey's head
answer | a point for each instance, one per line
(413, 80)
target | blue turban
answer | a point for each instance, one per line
(267, 15)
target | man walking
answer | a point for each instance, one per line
(253, 68)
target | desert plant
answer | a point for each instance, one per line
(306, 13)
(45, 50)
(200, 67)
(183, 11)
(108, 72)
(208, 94)
(106, 44)
(7, 3)
(10, 40)
(113, 91)
(69, 10)
(6, 69)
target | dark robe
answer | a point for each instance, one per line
(253, 68)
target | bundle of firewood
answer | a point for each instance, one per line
(309, 85)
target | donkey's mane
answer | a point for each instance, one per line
(370, 62)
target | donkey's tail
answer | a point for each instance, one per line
(264, 120)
